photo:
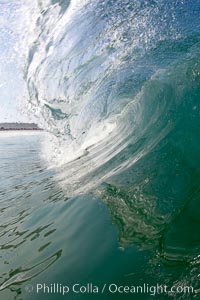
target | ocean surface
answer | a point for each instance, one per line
(120, 234)
(110, 193)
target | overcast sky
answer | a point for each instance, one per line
(12, 86)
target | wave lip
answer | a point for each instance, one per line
(108, 84)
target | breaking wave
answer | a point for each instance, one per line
(116, 85)
(109, 80)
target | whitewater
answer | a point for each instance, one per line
(116, 87)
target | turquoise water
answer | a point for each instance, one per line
(111, 235)
(111, 194)
(46, 237)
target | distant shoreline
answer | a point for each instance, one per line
(19, 127)
(6, 130)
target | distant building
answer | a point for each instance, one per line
(19, 126)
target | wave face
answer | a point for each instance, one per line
(116, 84)
(109, 80)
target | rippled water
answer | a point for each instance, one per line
(110, 235)
(111, 193)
